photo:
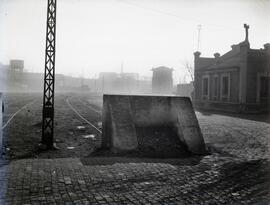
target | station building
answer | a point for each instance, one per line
(238, 81)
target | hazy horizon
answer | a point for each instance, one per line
(98, 36)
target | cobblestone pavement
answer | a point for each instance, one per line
(238, 172)
(241, 138)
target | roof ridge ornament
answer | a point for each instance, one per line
(246, 30)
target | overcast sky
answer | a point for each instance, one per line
(98, 35)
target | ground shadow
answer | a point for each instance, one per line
(92, 161)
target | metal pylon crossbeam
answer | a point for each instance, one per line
(49, 77)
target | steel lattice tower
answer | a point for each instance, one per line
(49, 77)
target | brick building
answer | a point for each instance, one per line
(238, 81)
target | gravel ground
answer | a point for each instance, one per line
(23, 134)
(247, 139)
(237, 171)
(227, 135)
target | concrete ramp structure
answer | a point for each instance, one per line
(124, 114)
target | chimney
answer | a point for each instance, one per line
(267, 47)
(217, 55)
(196, 59)
(197, 54)
(233, 47)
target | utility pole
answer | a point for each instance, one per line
(82, 79)
(49, 78)
(103, 84)
(122, 68)
(199, 37)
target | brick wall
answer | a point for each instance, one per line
(234, 84)
(257, 64)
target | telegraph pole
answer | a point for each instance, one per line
(199, 37)
(49, 78)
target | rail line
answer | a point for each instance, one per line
(85, 120)
(91, 108)
(17, 112)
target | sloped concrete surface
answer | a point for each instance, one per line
(122, 114)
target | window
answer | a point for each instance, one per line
(205, 87)
(215, 96)
(265, 90)
(225, 87)
(265, 85)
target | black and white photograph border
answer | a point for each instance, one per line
(134, 102)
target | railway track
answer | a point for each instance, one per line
(91, 108)
(13, 115)
(80, 115)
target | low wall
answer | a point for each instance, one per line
(122, 114)
(232, 107)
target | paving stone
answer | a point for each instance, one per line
(237, 172)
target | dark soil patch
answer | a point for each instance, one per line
(153, 142)
(160, 142)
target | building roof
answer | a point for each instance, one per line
(162, 68)
(229, 59)
(232, 58)
(205, 62)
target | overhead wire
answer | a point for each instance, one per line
(181, 18)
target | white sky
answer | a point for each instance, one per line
(98, 35)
